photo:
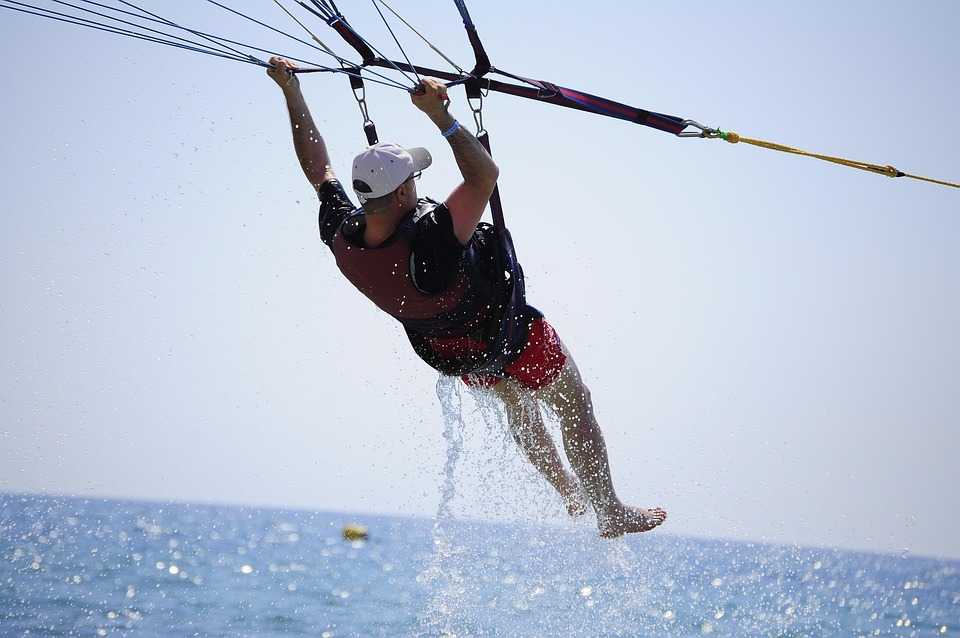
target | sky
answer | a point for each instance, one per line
(771, 341)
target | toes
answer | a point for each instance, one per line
(636, 520)
(576, 509)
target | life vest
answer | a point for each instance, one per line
(480, 304)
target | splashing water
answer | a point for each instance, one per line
(473, 585)
(442, 575)
(508, 561)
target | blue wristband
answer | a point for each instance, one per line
(453, 129)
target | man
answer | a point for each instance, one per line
(427, 264)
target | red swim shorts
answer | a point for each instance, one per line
(538, 365)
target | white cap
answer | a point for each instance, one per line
(381, 169)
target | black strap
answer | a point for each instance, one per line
(510, 337)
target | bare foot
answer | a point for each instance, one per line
(576, 502)
(568, 486)
(627, 519)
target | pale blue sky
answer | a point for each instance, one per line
(772, 341)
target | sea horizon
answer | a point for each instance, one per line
(81, 566)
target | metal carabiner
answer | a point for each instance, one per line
(360, 95)
(475, 95)
(701, 130)
(477, 111)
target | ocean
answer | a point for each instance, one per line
(101, 567)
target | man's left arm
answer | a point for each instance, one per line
(307, 141)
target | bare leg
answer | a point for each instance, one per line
(530, 433)
(587, 453)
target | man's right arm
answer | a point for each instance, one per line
(307, 141)
(468, 200)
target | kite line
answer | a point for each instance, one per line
(124, 18)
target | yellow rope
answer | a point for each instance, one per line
(889, 171)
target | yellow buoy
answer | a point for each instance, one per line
(354, 532)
